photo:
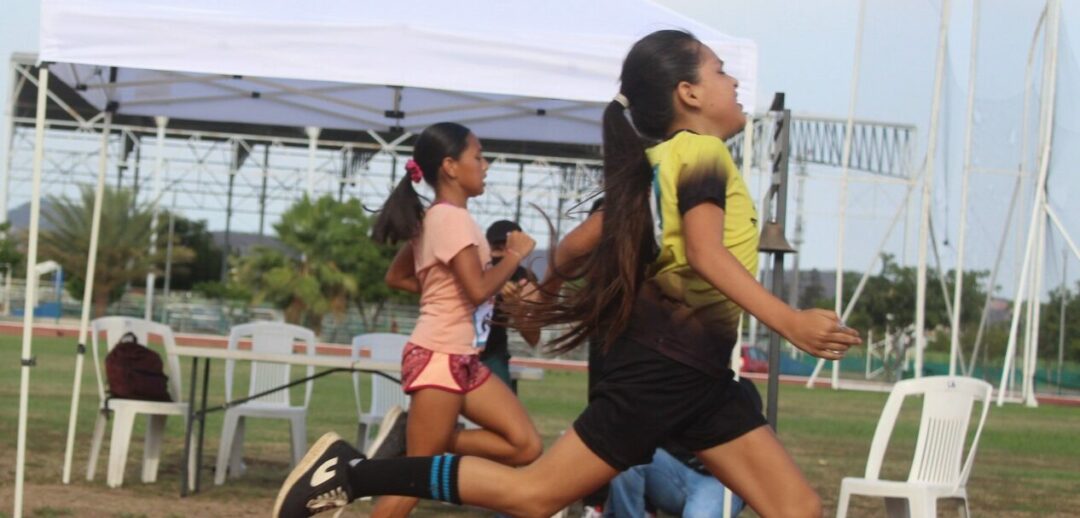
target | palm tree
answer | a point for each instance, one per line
(123, 243)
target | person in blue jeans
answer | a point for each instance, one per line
(671, 486)
(675, 482)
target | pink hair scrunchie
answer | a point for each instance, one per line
(415, 173)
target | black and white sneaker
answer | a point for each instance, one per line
(320, 482)
(390, 442)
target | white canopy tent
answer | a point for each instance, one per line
(510, 70)
(492, 66)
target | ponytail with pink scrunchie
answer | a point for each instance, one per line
(415, 173)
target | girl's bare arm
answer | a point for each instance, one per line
(815, 331)
(402, 272)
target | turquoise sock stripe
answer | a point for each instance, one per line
(446, 476)
(434, 480)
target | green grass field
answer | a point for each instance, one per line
(1028, 462)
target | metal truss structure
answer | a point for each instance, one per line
(878, 148)
(247, 179)
(243, 178)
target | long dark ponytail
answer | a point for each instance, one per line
(401, 215)
(614, 271)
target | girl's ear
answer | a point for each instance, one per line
(686, 94)
(449, 166)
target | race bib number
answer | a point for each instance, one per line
(482, 323)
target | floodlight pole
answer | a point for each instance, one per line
(958, 282)
(849, 136)
(1038, 210)
(927, 190)
(1017, 187)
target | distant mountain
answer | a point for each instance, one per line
(19, 217)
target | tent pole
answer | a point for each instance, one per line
(159, 164)
(31, 285)
(88, 294)
(954, 339)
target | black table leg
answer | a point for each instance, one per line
(200, 412)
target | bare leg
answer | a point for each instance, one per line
(433, 415)
(508, 435)
(757, 468)
(562, 475)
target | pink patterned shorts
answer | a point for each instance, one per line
(458, 373)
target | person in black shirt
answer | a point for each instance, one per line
(496, 355)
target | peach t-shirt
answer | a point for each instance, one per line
(449, 323)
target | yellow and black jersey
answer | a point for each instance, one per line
(677, 312)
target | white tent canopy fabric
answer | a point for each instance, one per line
(496, 66)
(510, 70)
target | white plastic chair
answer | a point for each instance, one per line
(939, 469)
(124, 411)
(274, 338)
(385, 394)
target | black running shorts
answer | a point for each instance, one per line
(645, 399)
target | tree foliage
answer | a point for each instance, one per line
(334, 265)
(123, 243)
(207, 256)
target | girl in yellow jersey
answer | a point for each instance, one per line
(668, 266)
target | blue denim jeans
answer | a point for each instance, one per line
(672, 487)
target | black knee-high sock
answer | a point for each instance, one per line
(432, 478)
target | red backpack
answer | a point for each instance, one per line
(135, 372)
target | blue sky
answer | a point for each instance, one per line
(806, 51)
